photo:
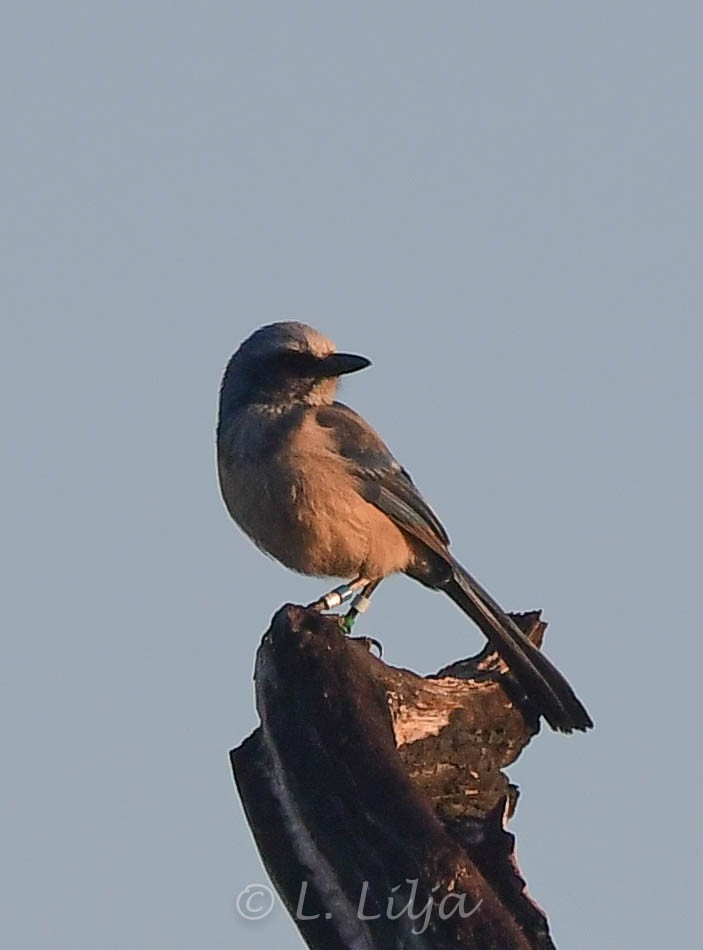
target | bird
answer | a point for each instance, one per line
(315, 487)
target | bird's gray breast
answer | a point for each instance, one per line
(288, 492)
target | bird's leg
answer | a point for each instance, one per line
(340, 594)
(360, 605)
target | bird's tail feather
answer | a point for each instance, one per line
(541, 680)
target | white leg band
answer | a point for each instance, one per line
(361, 603)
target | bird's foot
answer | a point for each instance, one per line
(369, 642)
(346, 625)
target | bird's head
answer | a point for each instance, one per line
(284, 364)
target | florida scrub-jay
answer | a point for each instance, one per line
(314, 486)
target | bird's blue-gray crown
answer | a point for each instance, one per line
(283, 363)
(288, 335)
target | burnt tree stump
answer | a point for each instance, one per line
(376, 796)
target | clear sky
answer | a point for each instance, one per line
(500, 204)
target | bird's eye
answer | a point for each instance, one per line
(295, 363)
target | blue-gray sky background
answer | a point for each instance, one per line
(501, 206)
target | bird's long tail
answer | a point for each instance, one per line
(540, 679)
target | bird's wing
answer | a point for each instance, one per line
(382, 481)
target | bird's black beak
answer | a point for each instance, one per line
(339, 364)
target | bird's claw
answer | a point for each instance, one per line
(368, 643)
